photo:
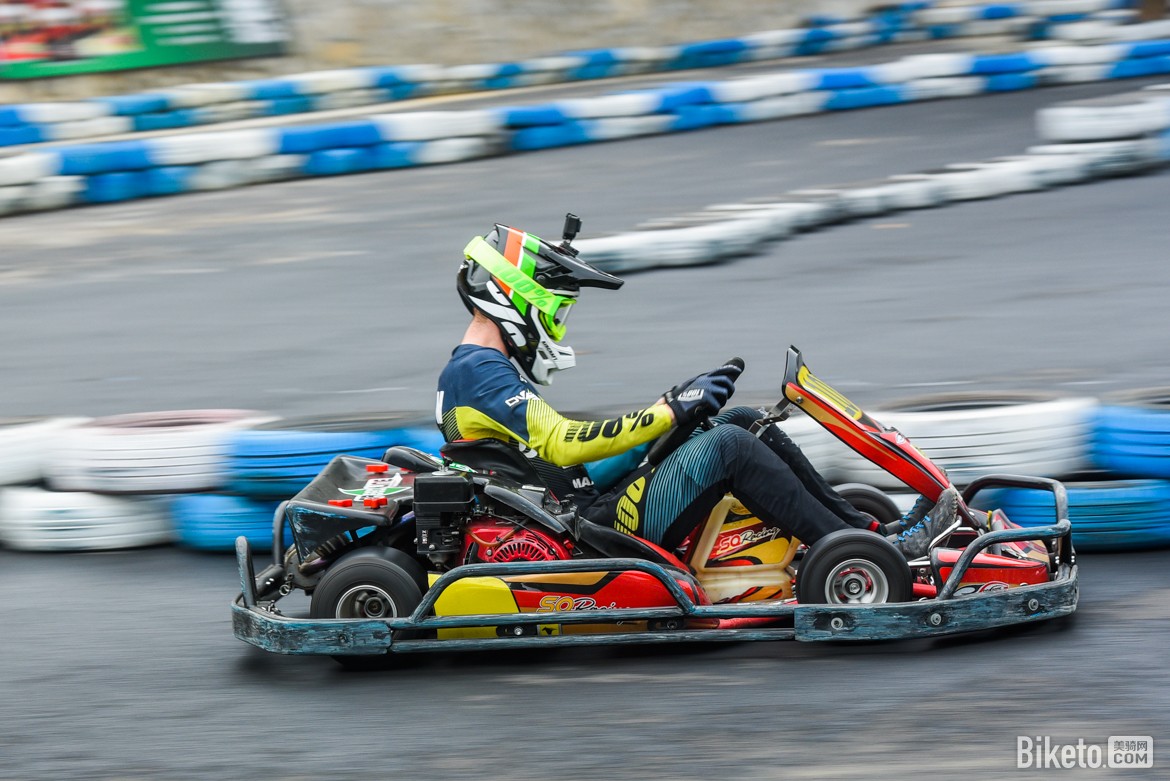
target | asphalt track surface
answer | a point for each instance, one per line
(336, 296)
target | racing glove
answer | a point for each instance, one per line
(702, 396)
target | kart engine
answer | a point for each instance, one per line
(492, 541)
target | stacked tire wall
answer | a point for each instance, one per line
(201, 478)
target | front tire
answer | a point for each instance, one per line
(853, 567)
(368, 583)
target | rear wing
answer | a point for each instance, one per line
(886, 447)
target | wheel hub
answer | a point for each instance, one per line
(366, 602)
(857, 581)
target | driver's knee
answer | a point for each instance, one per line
(741, 416)
(733, 444)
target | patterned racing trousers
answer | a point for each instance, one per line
(768, 474)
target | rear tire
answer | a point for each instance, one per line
(871, 501)
(368, 583)
(853, 567)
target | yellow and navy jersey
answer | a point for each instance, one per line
(482, 395)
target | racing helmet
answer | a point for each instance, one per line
(527, 286)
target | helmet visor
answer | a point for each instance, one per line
(554, 324)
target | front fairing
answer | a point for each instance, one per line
(886, 447)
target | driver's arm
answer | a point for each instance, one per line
(512, 412)
(565, 442)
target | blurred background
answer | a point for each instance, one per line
(212, 293)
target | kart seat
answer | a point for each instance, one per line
(494, 456)
(411, 460)
(614, 544)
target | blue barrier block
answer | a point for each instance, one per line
(1138, 68)
(359, 132)
(843, 78)
(867, 97)
(270, 89)
(998, 11)
(598, 64)
(941, 31)
(21, 134)
(548, 136)
(104, 158)
(117, 186)
(818, 35)
(695, 117)
(129, 105)
(165, 119)
(397, 154)
(298, 104)
(1067, 18)
(1010, 82)
(302, 140)
(10, 116)
(167, 180)
(383, 77)
(1038, 31)
(989, 64)
(890, 19)
(708, 54)
(212, 522)
(281, 463)
(598, 56)
(1148, 49)
(591, 71)
(404, 91)
(299, 140)
(507, 69)
(1159, 65)
(675, 96)
(332, 162)
(502, 82)
(810, 48)
(530, 116)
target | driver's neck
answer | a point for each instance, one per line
(484, 333)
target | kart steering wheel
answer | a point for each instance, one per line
(673, 440)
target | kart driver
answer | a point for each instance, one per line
(520, 290)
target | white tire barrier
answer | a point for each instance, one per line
(33, 519)
(973, 434)
(1132, 115)
(26, 446)
(159, 452)
(969, 434)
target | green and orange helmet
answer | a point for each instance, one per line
(527, 286)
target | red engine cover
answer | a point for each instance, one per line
(500, 542)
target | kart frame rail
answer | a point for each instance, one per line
(259, 623)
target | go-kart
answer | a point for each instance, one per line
(466, 550)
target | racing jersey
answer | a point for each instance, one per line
(482, 395)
